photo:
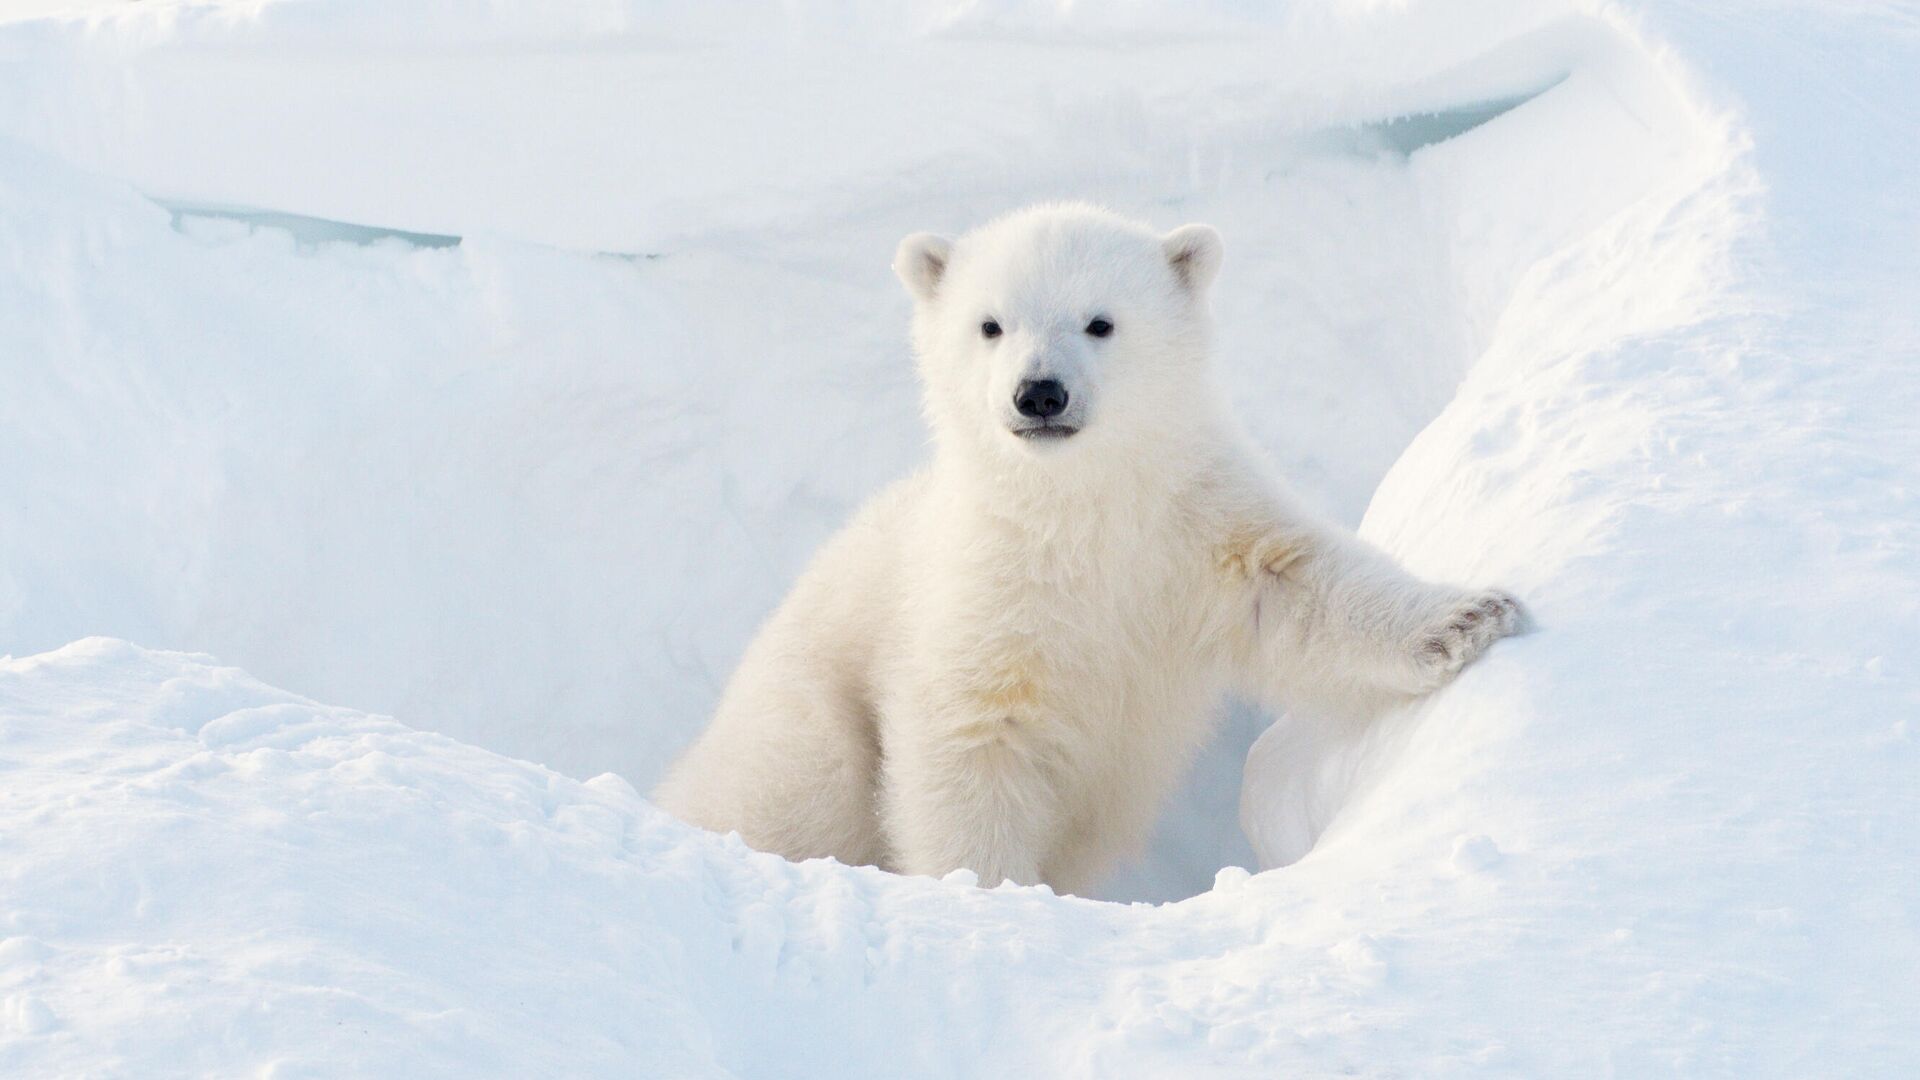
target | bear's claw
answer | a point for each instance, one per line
(1464, 631)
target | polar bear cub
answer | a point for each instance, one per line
(1006, 661)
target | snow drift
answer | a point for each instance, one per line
(496, 366)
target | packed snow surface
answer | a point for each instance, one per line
(492, 367)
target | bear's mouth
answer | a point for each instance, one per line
(1045, 431)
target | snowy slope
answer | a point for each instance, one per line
(1640, 347)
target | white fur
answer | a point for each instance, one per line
(1006, 661)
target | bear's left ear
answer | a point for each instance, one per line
(1194, 253)
(920, 262)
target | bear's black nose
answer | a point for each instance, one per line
(1042, 399)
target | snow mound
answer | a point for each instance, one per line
(408, 429)
(209, 873)
(496, 365)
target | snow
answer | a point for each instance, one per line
(1610, 305)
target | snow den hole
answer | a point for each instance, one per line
(539, 499)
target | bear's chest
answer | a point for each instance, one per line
(1066, 636)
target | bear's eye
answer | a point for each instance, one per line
(990, 329)
(1099, 328)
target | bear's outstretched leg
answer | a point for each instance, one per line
(1336, 618)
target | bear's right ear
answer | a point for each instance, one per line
(1194, 253)
(921, 261)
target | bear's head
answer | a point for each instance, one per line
(1060, 330)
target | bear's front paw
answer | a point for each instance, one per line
(1462, 632)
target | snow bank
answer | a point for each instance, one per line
(537, 497)
(1638, 346)
(208, 875)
